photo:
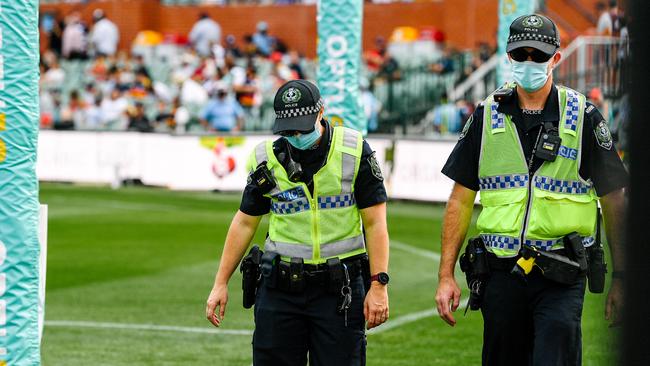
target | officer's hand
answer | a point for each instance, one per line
(375, 307)
(218, 299)
(448, 299)
(614, 304)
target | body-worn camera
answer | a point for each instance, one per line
(503, 94)
(263, 178)
(549, 143)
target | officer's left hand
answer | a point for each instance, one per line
(375, 307)
(614, 304)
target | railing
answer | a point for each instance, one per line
(591, 62)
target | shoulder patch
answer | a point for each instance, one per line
(603, 135)
(463, 133)
(590, 109)
(374, 167)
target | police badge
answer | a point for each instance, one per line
(374, 167)
(603, 136)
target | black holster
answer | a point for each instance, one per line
(597, 268)
(250, 270)
(474, 264)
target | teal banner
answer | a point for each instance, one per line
(509, 10)
(339, 66)
(19, 247)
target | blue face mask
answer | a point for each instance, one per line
(530, 75)
(304, 141)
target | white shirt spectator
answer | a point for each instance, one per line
(114, 111)
(74, 39)
(54, 77)
(93, 117)
(605, 25)
(105, 37)
(205, 33)
(193, 95)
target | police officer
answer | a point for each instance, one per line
(327, 209)
(506, 151)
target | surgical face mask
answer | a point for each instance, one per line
(304, 141)
(530, 75)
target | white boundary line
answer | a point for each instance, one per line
(145, 327)
(412, 317)
(391, 324)
(415, 250)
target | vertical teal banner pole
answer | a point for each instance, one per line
(19, 247)
(509, 10)
(339, 66)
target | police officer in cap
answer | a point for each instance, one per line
(542, 158)
(327, 206)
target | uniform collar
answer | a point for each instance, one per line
(550, 113)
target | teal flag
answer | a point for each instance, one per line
(339, 66)
(19, 248)
(509, 10)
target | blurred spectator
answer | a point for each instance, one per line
(94, 120)
(52, 28)
(222, 113)
(231, 48)
(54, 77)
(446, 117)
(204, 34)
(72, 115)
(294, 65)
(138, 121)
(113, 110)
(608, 21)
(374, 58)
(445, 64)
(371, 106)
(74, 41)
(262, 40)
(105, 35)
(596, 98)
(193, 95)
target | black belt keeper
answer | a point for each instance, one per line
(269, 269)
(296, 278)
(336, 274)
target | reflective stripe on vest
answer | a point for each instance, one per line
(561, 186)
(503, 181)
(305, 251)
(509, 242)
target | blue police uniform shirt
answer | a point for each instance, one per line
(599, 160)
(369, 187)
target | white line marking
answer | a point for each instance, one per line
(391, 324)
(410, 318)
(414, 250)
(146, 327)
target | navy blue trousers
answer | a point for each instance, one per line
(534, 322)
(292, 327)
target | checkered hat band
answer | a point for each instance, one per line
(297, 112)
(534, 37)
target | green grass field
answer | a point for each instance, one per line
(147, 257)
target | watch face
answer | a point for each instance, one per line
(383, 278)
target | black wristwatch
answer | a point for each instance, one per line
(381, 277)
